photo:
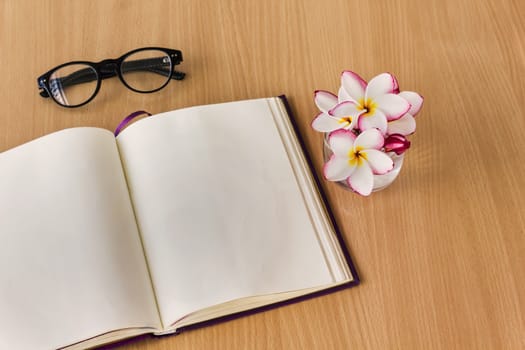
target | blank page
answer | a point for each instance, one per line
(218, 206)
(71, 262)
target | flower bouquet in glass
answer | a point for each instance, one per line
(366, 127)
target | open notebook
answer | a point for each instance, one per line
(185, 217)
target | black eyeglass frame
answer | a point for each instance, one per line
(109, 68)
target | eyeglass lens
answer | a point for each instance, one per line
(73, 84)
(146, 70)
(142, 71)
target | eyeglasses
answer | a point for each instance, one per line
(142, 70)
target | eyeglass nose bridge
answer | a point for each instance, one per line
(108, 68)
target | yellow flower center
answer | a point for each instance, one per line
(345, 120)
(356, 157)
(369, 106)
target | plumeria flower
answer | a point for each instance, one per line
(356, 159)
(406, 125)
(374, 103)
(333, 115)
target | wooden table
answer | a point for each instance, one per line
(441, 252)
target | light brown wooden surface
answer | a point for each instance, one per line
(440, 252)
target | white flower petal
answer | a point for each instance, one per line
(379, 162)
(325, 123)
(341, 142)
(392, 105)
(344, 109)
(376, 120)
(415, 100)
(381, 84)
(347, 114)
(342, 95)
(369, 139)
(337, 168)
(361, 179)
(325, 100)
(396, 86)
(405, 125)
(353, 84)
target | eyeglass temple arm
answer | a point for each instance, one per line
(86, 75)
(153, 65)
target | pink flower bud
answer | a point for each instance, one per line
(396, 143)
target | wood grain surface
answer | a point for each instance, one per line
(441, 252)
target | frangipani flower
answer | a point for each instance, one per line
(374, 103)
(333, 115)
(406, 125)
(356, 159)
